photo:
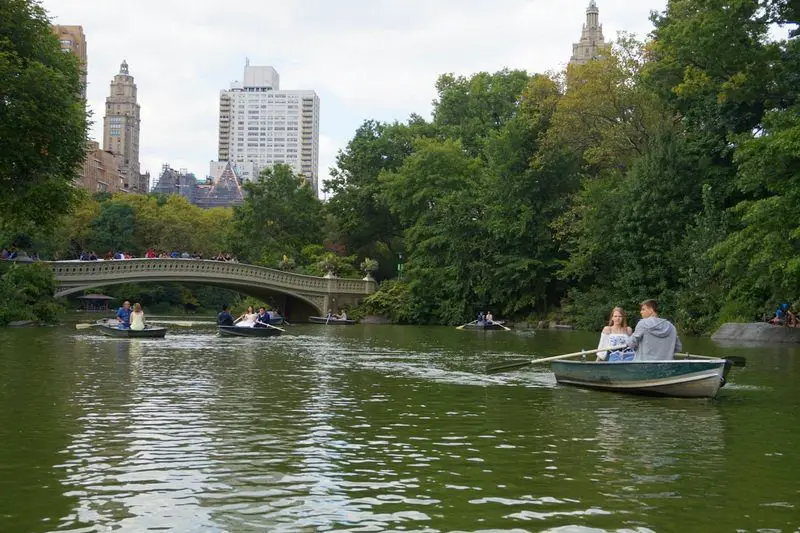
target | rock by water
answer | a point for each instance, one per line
(756, 332)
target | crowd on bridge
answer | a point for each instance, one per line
(151, 253)
(11, 253)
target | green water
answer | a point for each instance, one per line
(381, 428)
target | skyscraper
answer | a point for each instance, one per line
(121, 128)
(74, 41)
(261, 125)
(592, 43)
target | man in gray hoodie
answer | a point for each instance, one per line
(654, 338)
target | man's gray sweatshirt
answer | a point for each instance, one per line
(655, 339)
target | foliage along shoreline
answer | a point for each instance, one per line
(667, 169)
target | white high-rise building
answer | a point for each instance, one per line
(261, 125)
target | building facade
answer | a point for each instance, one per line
(592, 43)
(172, 181)
(73, 40)
(101, 171)
(121, 128)
(261, 125)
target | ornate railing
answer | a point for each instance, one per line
(85, 272)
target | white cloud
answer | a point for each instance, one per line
(365, 58)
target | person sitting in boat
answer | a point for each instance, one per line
(262, 319)
(124, 316)
(481, 318)
(330, 315)
(343, 315)
(225, 318)
(137, 317)
(616, 337)
(248, 319)
(655, 338)
(489, 317)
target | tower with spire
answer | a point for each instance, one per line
(592, 43)
(121, 128)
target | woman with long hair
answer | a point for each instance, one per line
(616, 335)
(137, 317)
(248, 319)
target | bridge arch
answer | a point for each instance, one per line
(301, 295)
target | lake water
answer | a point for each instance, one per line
(379, 428)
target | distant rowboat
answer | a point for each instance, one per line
(490, 325)
(680, 378)
(332, 321)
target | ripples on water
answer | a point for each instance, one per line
(316, 431)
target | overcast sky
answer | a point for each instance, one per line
(366, 59)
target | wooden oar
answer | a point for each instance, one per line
(511, 365)
(467, 324)
(499, 324)
(83, 326)
(273, 327)
(736, 360)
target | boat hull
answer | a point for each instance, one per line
(147, 333)
(683, 379)
(236, 331)
(496, 326)
(330, 321)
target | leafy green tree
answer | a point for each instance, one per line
(113, 230)
(435, 195)
(280, 215)
(363, 217)
(42, 118)
(762, 256)
(470, 108)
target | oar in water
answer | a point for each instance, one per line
(467, 324)
(736, 360)
(83, 326)
(499, 324)
(273, 327)
(511, 365)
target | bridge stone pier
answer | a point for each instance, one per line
(296, 295)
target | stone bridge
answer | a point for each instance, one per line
(297, 296)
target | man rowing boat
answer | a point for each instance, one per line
(655, 338)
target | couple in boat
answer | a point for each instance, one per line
(251, 319)
(654, 339)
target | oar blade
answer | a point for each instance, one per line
(507, 365)
(737, 360)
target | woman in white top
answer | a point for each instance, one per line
(137, 317)
(616, 334)
(248, 319)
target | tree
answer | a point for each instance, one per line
(280, 215)
(435, 195)
(362, 216)
(113, 229)
(469, 108)
(42, 118)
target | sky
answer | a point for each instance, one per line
(366, 59)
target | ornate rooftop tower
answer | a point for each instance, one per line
(592, 43)
(121, 128)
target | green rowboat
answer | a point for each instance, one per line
(684, 379)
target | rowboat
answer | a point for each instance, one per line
(238, 331)
(492, 325)
(679, 378)
(332, 321)
(112, 330)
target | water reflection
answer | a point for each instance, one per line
(359, 430)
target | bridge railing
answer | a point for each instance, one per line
(82, 272)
